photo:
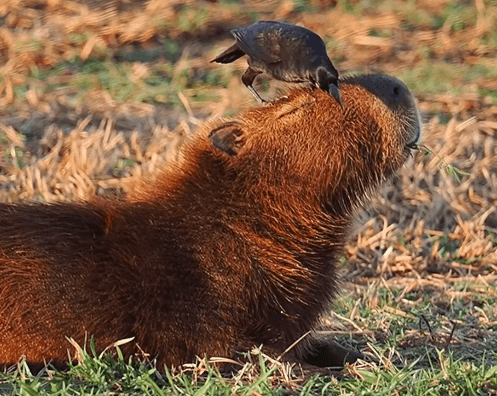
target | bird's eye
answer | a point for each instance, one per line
(396, 91)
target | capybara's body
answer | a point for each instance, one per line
(234, 247)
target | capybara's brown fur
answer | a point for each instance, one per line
(233, 248)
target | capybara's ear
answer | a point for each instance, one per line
(228, 137)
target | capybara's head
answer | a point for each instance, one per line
(307, 145)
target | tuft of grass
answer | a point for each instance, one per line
(451, 170)
(459, 15)
(191, 19)
(109, 374)
(304, 6)
(380, 33)
(434, 76)
(155, 83)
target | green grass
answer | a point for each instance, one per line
(439, 77)
(458, 15)
(444, 376)
(160, 84)
(451, 170)
(107, 374)
(304, 6)
(168, 74)
(191, 19)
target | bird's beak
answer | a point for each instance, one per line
(336, 94)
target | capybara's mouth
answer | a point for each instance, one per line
(413, 144)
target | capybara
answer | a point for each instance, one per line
(234, 247)
(284, 51)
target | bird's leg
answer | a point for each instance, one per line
(248, 78)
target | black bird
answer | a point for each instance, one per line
(284, 51)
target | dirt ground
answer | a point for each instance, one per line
(427, 233)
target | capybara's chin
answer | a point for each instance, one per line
(234, 247)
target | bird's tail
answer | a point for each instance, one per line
(231, 54)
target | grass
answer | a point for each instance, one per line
(421, 263)
(451, 170)
(432, 77)
(131, 80)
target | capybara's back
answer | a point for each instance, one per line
(235, 247)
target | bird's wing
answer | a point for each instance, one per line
(260, 45)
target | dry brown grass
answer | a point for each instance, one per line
(425, 234)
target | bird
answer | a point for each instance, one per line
(285, 52)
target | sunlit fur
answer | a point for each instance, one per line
(221, 253)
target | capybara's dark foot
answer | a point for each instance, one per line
(326, 353)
